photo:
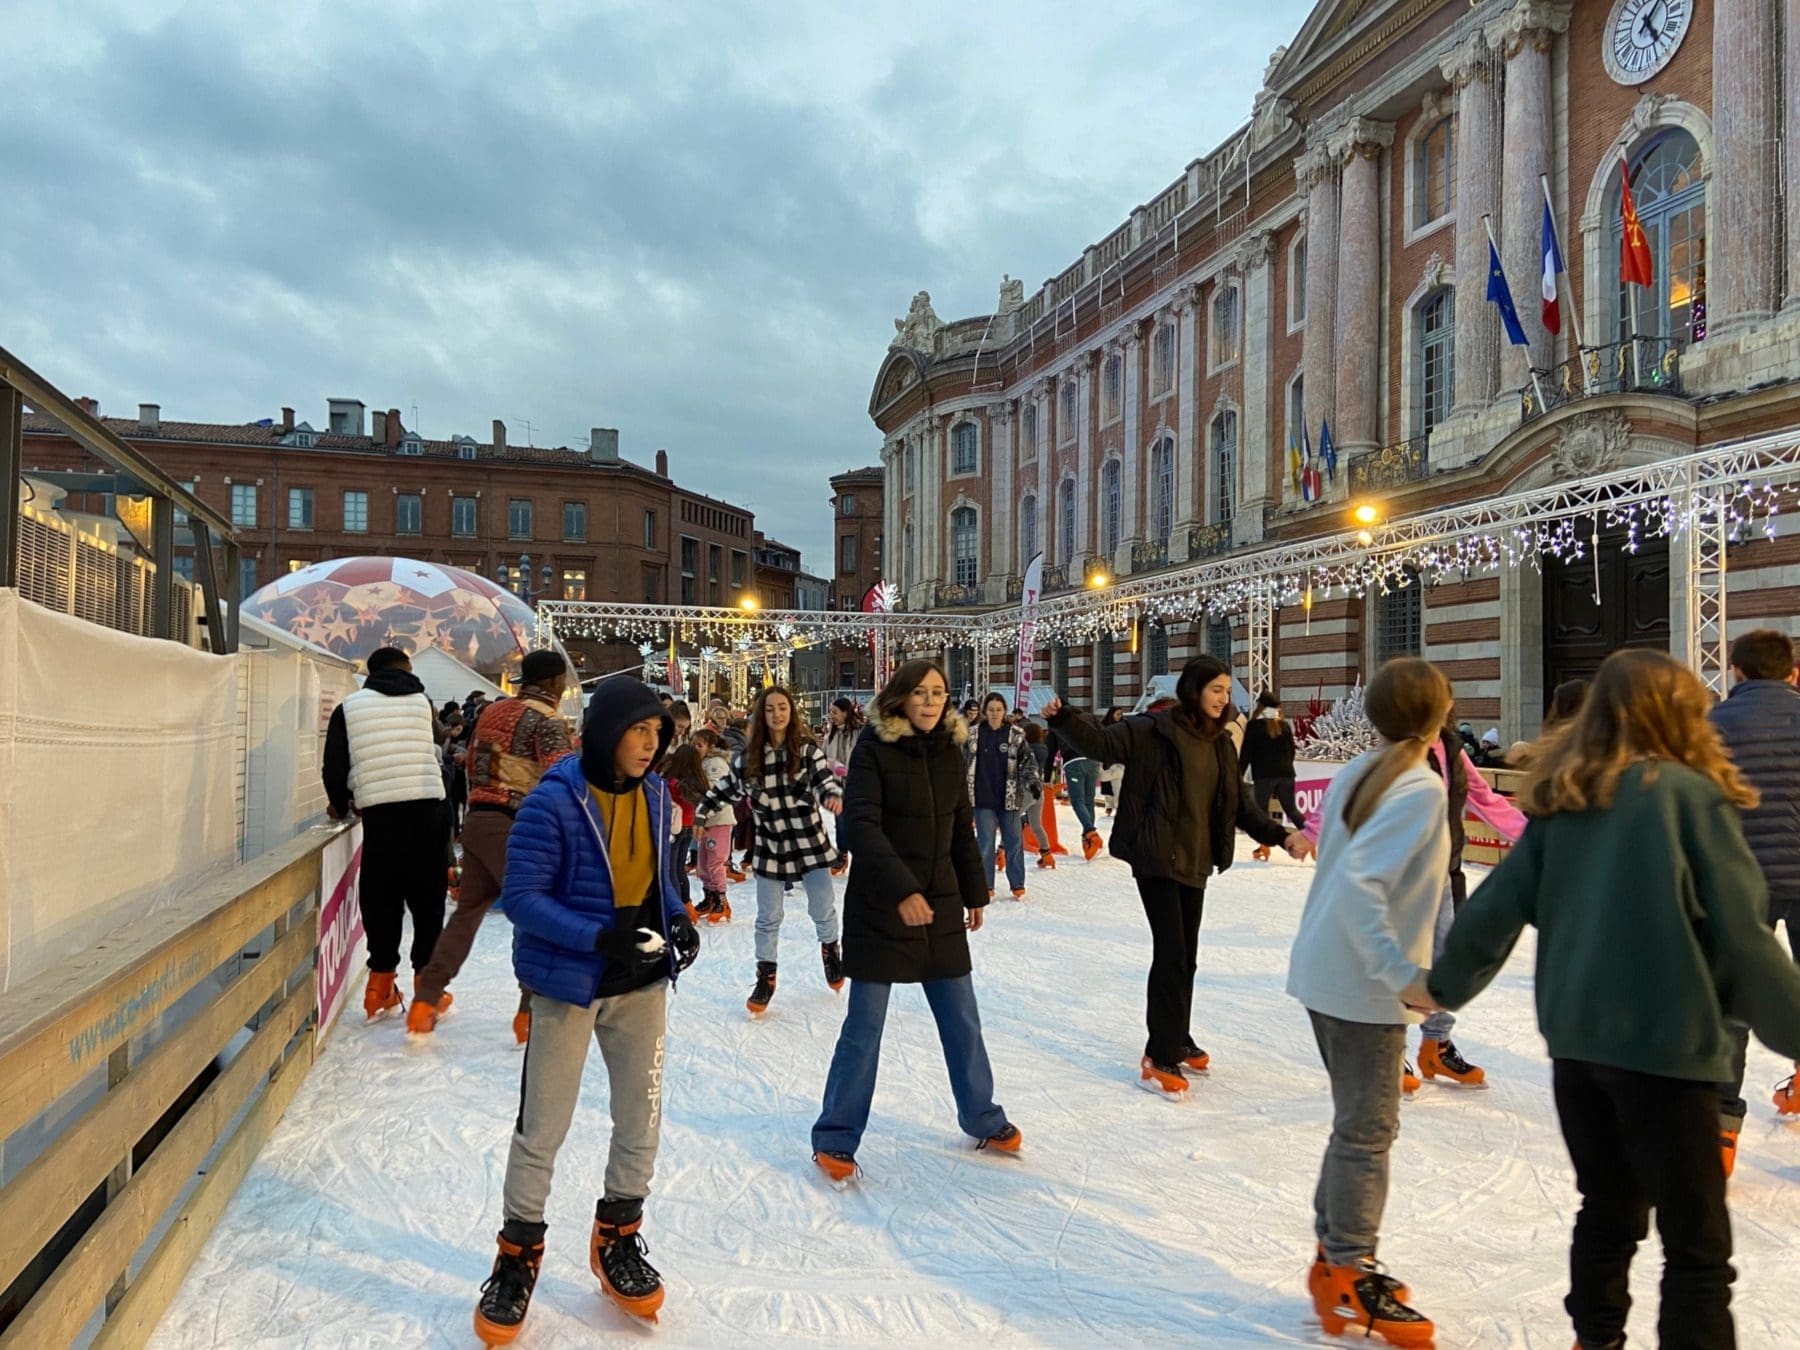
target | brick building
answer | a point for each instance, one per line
(603, 527)
(1327, 266)
(859, 515)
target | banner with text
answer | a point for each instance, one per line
(341, 944)
(1028, 598)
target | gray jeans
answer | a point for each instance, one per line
(1363, 1062)
(629, 1029)
(771, 902)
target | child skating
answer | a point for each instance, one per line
(713, 831)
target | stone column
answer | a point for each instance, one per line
(1256, 448)
(1525, 35)
(1359, 285)
(1317, 172)
(1741, 255)
(998, 520)
(1791, 168)
(1470, 70)
(1187, 439)
(931, 496)
(1083, 374)
(1138, 525)
(1046, 515)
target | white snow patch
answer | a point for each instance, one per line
(370, 1218)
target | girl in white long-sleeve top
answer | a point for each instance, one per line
(1359, 960)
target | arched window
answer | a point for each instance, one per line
(1115, 386)
(965, 545)
(912, 470)
(1400, 619)
(1065, 526)
(1028, 539)
(1224, 466)
(1156, 651)
(1436, 358)
(910, 569)
(1671, 203)
(1109, 508)
(1162, 488)
(1297, 283)
(1103, 671)
(1226, 326)
(962, 448)
(1434, 173)
(1163, 359)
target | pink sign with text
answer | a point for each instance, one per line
(340, 924)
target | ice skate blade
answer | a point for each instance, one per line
(1349, 1331)
(1156, 1089)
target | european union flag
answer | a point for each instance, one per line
(1501, 295)
(1327, 451)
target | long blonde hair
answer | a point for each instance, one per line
(1643, 704)
(1407, 701)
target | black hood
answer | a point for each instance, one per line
(393, 681)
(616, 706)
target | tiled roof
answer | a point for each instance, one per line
(873, 474)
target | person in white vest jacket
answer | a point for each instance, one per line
(381, 762)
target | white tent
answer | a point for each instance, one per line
(448, 680)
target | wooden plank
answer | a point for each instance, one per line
(58, 1026)
(156, 1285)
(41, 1198)
(59, 1310)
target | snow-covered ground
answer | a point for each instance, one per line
(369, 1221)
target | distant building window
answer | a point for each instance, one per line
(465, 449)
(910, 559)
(247, 582)
(297, 565)
(1031, 432)
(575, 521)
(356, 513)
(965, 539)
(1066, 523)
(1225, 326)
(409, 513)
(912, 470)
(1156, 657)
(1437, 359)
(411, 445)
(1434, 169)
(847, 504)
(1225, 466)
(1399, 619)
(715, 573)
(1069, 396)
(1297, 283)
(574, 585)
(462, 517)
(1059, 668)
(740, 569)
(1162, 488)
(184, 567)
(1114, 386)
(1163, 358)
(518, 518)
(181, 517)
(847, 553)
(1218, 641)
(243, 505)
(1110, 517)
(650, 530)
(690, 571)
(652, 585)
(963, 442)
(1103, 672)
(300, 508)
(1028, 531)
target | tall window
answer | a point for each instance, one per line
(1399, 620)
(1434, 173)
(910, 559)
(1066, 386)
(1156, 650)
(181, 517)
(1218, 640)
(462, 517)
(912, 470)
(574, 585)
(243, 505)
(740, 569)
(1296, 411)
(1103, 671)
(1437, 359)
(847, 553)
(964, 545)
(1110, 508)
(1226, 328)
(1115, 386)
(690, 571)
(1030, 429)
(1066, 523)
(962, 673)
(1162, 488)
(1028, 534)
(1297, 283)
(847, 504)
(962, 448)
(575, 521)
(246, 576)
(1671, 203)
(653, 591)
(1224, 466)
(518, 518)
(650, 530)
(184, 566)
(1162, 354)
(356, 513)
(1059, 667)
(715, 573)
(300, 508)
(409, 513)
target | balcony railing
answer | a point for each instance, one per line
(1015, 590)
(950, 595)
(1152, 553)
(1392, 466)
(1206, 541)
(1056, 578)
(1645, 365)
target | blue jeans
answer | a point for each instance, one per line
(1082, 777)
(850, 1087)
(821, 902)
(1438, 1025)
(1011, 839)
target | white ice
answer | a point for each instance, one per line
(369, 1220)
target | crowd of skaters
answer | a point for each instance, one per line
(1656, 845)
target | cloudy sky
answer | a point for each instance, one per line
(693, 222)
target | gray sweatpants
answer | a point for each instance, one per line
(629, 1029)
(1363, 1062)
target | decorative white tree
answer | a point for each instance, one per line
(1343, 733)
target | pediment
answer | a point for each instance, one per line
(1324, 31)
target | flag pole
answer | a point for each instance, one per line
(1487, 223)
(1574, 306)
(1636, 372)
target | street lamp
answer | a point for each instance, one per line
(518, 580)
(747, 604)
(1366, 514)
(1098, 579)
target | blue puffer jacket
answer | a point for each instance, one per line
(558, 891)
(1761, 726)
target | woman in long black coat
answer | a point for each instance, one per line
(916, 892)
(1180, 808)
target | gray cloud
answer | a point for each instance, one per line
(692, 222)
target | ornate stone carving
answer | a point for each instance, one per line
(1361, 136)
(1533, 22)
(1255, 250)
(1435, 274)
(1591, 444)
(1471, 60)
(1436, 104)
(920, 327)
(1313, 166)
(1012, 294)
(999, 414)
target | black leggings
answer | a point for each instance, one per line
(1174, 913)
(1265, 790)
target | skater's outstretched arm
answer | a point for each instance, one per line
(1109, 745)
(1488, 925)
(824, 782)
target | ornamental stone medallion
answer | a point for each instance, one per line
(1591, 444)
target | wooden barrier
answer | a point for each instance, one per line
(61, 1027)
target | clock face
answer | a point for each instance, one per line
(1642, 35)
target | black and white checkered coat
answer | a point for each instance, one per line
(793, 836)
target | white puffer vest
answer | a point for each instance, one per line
(393, 757)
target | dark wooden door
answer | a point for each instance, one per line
(1632, 609)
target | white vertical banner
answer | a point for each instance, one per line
(1028, 601)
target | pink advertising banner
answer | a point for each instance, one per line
(341, 943)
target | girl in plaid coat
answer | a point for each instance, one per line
(789, 785)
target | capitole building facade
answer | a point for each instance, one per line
(1328, 267)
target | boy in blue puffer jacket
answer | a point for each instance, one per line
(599, 935)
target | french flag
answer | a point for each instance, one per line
(1553, 263)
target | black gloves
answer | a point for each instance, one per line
(633, 948)
(685, 938)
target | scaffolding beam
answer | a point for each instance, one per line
(1704, 613)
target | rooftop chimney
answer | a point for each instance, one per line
(378, 427)
(149, 416)
(499, 437)
(603, 445)
(90, 406)
(287, 419)
(394, 428)
(346, 416)
(662, 463)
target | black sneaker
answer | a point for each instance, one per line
(506, 1297)
(617, 1256)
(833, 956)
(758, 1002)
